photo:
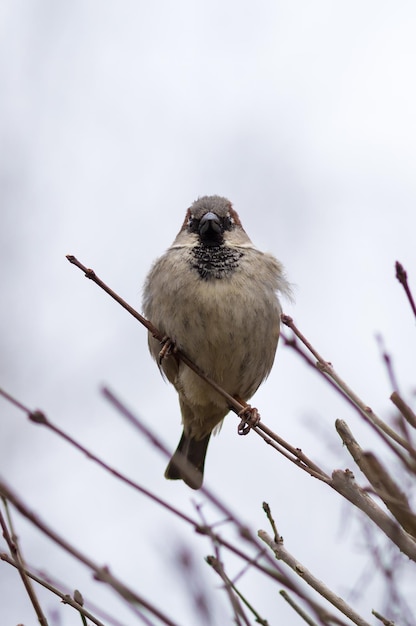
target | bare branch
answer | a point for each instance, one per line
(385, 622)
(39, 417)
(101, 573)
(233, 594)
(404, 408)
(344, 483)
(388, 362)
(401, 276)
(18, 562)
(66, 598)
(306, 618)
(326, 369)
(282, 554)
(384, 485)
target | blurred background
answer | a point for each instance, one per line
(114, 118)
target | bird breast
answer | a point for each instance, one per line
(222, 312)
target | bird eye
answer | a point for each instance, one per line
(228, 222)
(192, 224)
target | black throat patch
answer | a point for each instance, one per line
(215, 261)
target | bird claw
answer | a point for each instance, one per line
(168, 348)
(250, 417)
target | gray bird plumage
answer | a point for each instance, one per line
(216, 297)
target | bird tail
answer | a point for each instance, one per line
(188, 461)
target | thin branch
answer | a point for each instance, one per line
(404, 408)
(384, 485)
(239, 615)
(344, 483)
(101, 573)
(388, 361)
(383, 620)
(401, 276)
(244, 531)
(295, 606)
(295, 455)
(12, 542)
(216, 564)
(282, 554)
(326, 369)
(65, 597)
(38, 417)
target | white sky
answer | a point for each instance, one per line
(114, 117)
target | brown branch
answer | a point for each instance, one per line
(344, 483)
(276, 574)
(384, 620)
(232, 592)
(295, 455)
(404, 408)
(39, 417)
(282, 554)
(65, 597)
(230, 586)
(298, 609)
(101, 573)
(385, 432)
(244, 532)
(401, 276)
(18, 562)
(384, 486)
(388, 362)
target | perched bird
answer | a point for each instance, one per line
(214, 295)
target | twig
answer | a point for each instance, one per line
(245, 532)
(281, 553)
(65, 597)
(230, 588)
(232, 591)
(388, 362)
(384, 485)
(295, 606)
(275, 574)
(19, 564)
(326, 369)
(382, 619)
(38, 417)
(344, 483)
(101, 573)
(295, 455)
(401, 276)
(267, 510)
(216, 564)
(404, 408)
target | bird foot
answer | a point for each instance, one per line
(250, 417)
(168, 348)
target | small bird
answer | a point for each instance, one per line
(214, 296)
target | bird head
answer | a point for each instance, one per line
(211, 221)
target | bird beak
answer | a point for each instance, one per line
(210, 229)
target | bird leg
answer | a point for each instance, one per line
(168, 348)
(249, 416)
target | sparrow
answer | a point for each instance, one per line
(214, 296)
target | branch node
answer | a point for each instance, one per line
(38, 417)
